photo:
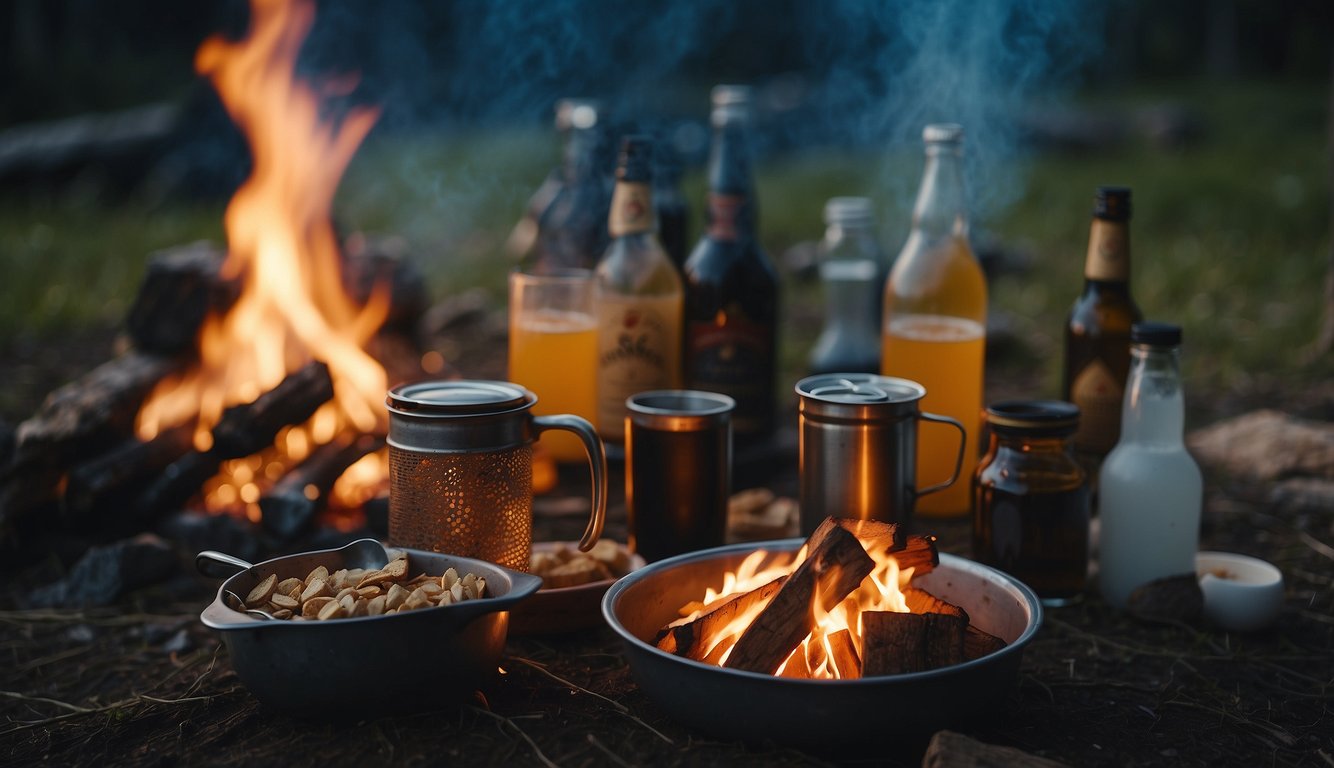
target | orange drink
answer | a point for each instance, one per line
(553, 351)
(945, 355)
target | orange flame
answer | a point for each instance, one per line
(881, 590)
(282, 246)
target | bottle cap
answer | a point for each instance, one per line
(1156, 334)
(1112, 203)
(636, 160)
(730, 103)
(727, 95)
(942, 132)
(576, 113)
(848, 210)
(1034, 417)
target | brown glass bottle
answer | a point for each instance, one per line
(1097, 332)
(731, 316)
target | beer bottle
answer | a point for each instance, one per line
(567, 217)
(670, 205)
(731, 343)
(1097, 332)
(935, 321)
(638, 295)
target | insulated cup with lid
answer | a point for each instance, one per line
(460, 469)
(858, 448)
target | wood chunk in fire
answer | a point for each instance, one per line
(898, 643)
(844, 653)
(916, 552)
(76, 422)
(292, 503)
(976, 642)
(243, 430)
(689, 639)
(181, 286)
(250, 428)
(835, 565)
(110, 479)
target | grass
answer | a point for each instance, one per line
(1230, 232)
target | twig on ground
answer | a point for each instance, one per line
(505, 721)
(603, 748)
(619, 707)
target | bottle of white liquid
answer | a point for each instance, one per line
(1151, 488)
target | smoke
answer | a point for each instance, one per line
(873, 72)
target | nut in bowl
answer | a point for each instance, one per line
(573, 583)
(303, 666)
(1241, 593)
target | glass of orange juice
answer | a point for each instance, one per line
(553, 350)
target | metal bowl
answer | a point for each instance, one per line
(363, 667)
(819, 713)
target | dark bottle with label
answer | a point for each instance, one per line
(670, 204)
(731, 326)
(1097, 332)
(566, 223)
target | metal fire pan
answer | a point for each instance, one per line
(819, 714)
(365, 666)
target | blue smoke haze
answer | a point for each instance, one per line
(868, 73)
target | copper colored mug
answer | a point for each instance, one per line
(461, 469)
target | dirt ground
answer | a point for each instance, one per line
(143, 682)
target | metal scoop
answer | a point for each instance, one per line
(367, 554)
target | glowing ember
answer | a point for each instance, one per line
(282, 247)
(815, 656)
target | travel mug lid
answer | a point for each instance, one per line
(457, 398)
(860, 389)
(858, 396)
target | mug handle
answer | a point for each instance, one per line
(958, 460)
(597, 462)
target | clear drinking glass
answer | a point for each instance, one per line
(553, 350)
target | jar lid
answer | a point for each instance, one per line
(1156, 334)
(856, 210)
(859, 389)
(942, 132)
(457, 398)
(1036, 417)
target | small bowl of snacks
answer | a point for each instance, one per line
(1241, 593)
(573, 583)
(379, 630)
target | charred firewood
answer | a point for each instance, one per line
(181, 286)
(110, 479)
(295, 500)
(243, 430)
(835, 565)
(693, 638)
(76, 422)
(898, 643)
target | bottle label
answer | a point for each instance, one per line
(631, 209)
(1098, 395)
(734, 356)
(1109, 252)
(639, 346)
(723, 210)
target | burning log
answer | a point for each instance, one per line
(692, 639)
(181, 286)
(77, 421)
(243, 430)
(108, 480)
(897, 643)
(834, 566)
(916, 552)
(844, 652)
(294, 500)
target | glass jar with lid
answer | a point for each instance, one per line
(1031, 499)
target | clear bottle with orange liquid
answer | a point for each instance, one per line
(935, 321)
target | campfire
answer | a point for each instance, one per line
(841, 608)
(252, 383)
